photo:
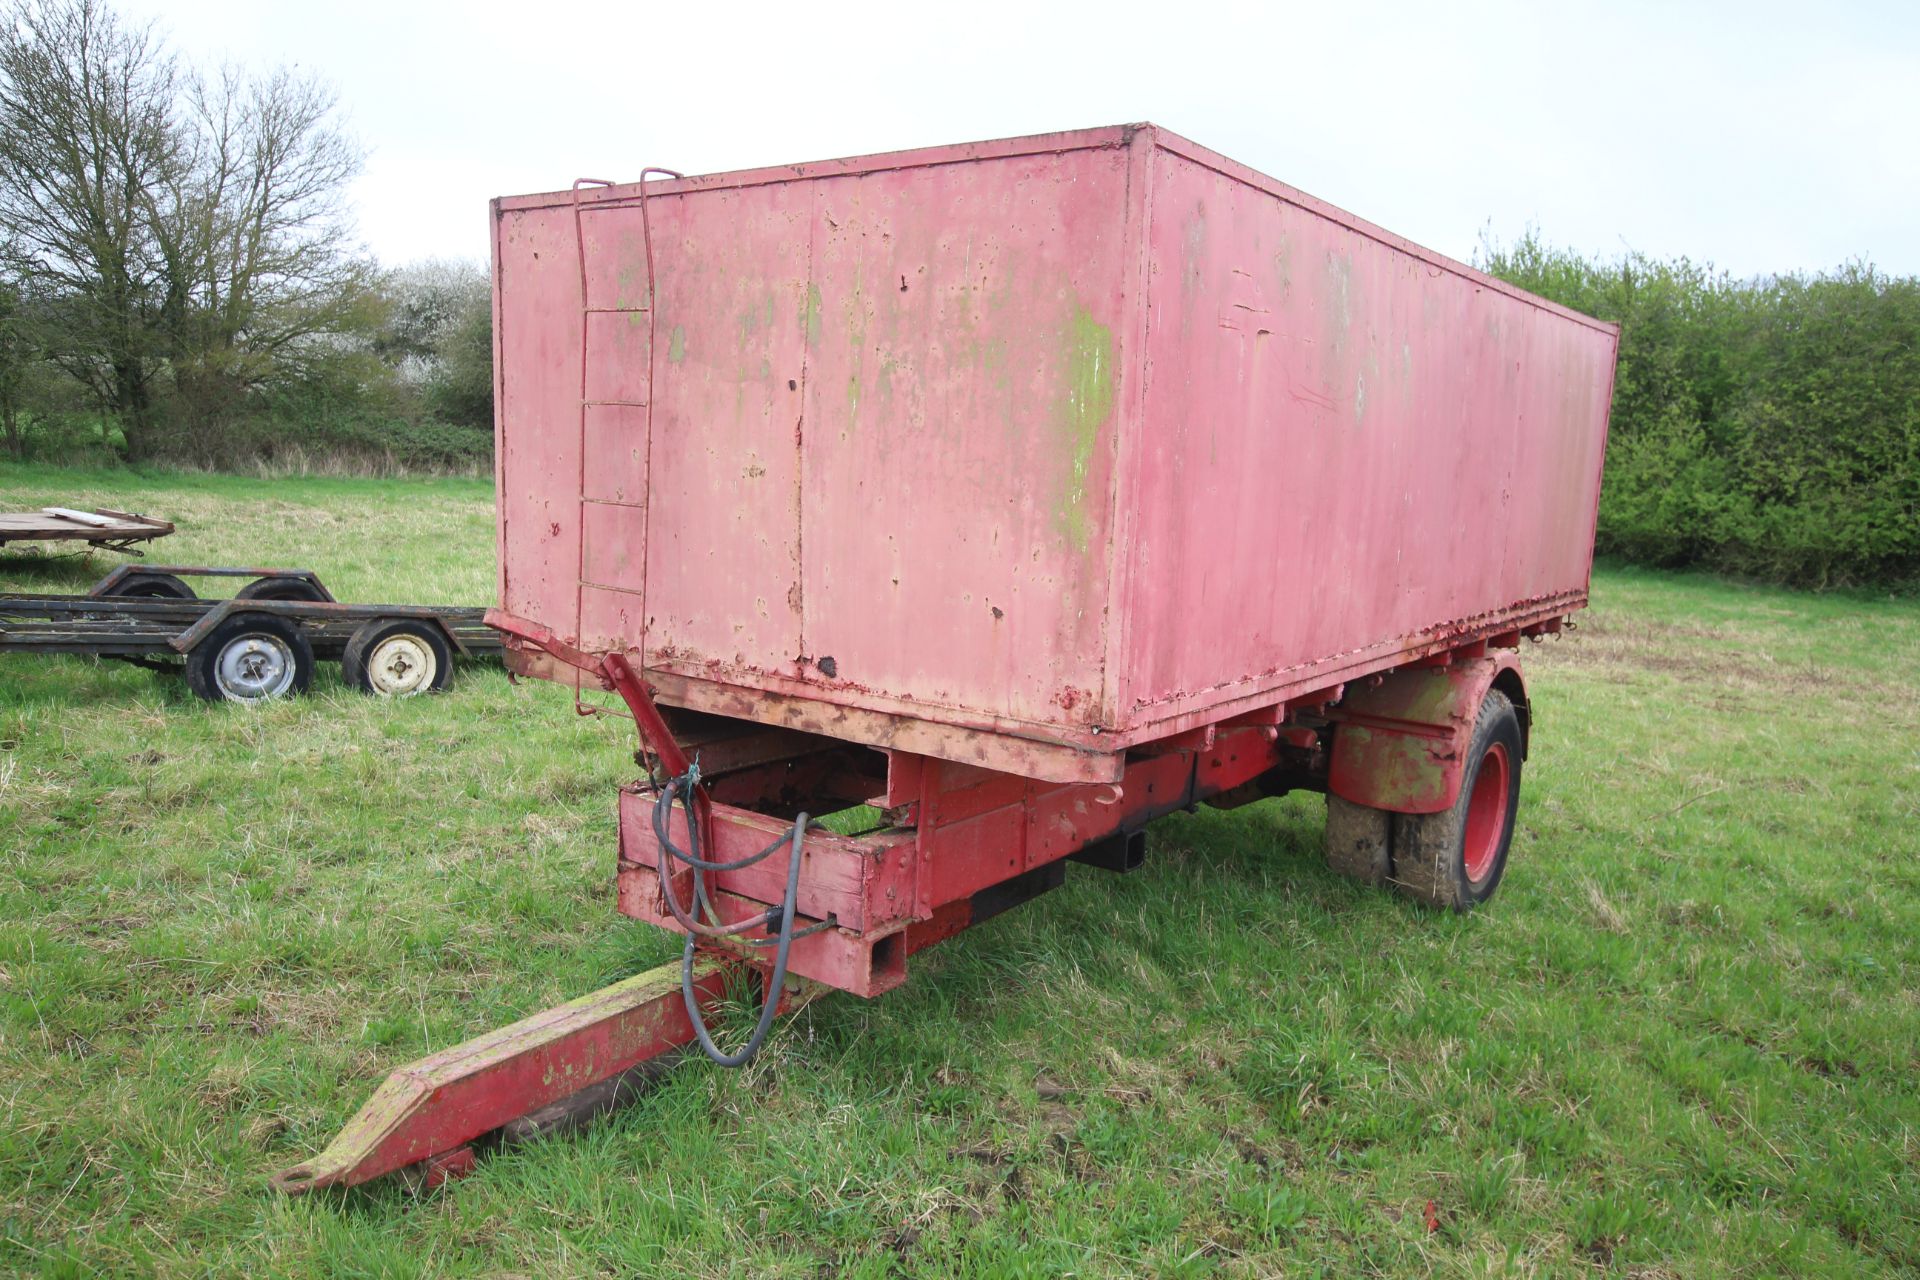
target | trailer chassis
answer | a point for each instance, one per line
(954, 845)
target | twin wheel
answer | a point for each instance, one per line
(252, 657)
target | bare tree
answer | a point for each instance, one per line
(256, 235)
(86, 138)
(201, 219)
(16, 356)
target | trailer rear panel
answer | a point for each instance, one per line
(1020, 453)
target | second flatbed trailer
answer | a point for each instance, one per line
(260, 644)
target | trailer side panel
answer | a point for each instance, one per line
(1349, 449)
(872, 466)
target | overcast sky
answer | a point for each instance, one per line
(1761, 137)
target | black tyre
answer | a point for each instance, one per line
(398, 658)
(151, 586)
(279, 589)
(251, 657)
(1359, 841)
(1455, 858)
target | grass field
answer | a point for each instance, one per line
(1684, 1040)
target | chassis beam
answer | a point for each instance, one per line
(430, 1111)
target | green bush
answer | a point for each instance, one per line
(1768, 428)
(342, 412)
(352, 444)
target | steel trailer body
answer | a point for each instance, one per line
(1023, 453)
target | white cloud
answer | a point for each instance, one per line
(1761, 137)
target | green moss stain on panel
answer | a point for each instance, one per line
(630, 285)
(677, 345)
(631, 292)
(810, 313)
(749, 322)
(1086, 402)
(856, 316)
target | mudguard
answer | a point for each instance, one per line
(1401, 745)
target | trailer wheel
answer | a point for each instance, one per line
(1455, 858)
(251, 657)
(1358, 841)
(397, 658)
(151, 586)
(280, 589)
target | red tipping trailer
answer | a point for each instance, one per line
(1025, 491)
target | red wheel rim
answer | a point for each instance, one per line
(1487, 812)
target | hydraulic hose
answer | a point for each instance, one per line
(683, 787)
(770, 998)
(662, 807)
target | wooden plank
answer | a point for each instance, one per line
(55, 524)
(81, 517)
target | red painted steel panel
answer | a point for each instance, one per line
(537, 350)
(834, 871)
(1348, 449)
(1402, 745)
(1041, 447)
(955, 468)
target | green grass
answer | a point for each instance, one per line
(1682, 1042)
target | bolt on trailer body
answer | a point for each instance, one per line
(1024, 491)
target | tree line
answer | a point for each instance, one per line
(1767, 428)
(178, 276)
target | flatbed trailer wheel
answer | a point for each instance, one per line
(251, 657)
(151, 586)
(1455, 858)
(279, 589)
(397, 658)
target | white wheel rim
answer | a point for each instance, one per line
(254, 667)
(401, 666)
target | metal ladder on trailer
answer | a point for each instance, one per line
(588, 403)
